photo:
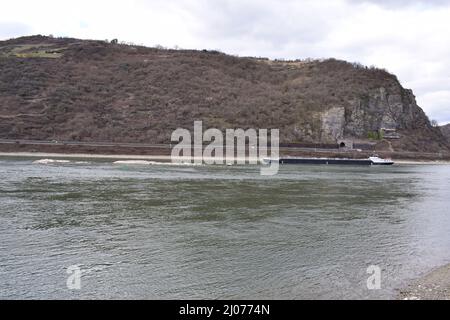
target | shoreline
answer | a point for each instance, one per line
(435, 285)
(419, 162)
(163, 151)
(160, 157)
(82, 156)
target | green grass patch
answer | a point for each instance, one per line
(43, 50)
(375, 135)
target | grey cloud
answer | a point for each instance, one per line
(13, 29)
(275, 24)
(398, 4)
(439, 109)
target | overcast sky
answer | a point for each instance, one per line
(409, 38)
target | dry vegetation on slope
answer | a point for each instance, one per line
(69, 89)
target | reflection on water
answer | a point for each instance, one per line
(218, 232)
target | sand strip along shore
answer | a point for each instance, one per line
(147, 157)
(421, 162)
(81, 156)
(433, 286)
(165, 158)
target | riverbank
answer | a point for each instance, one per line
(433, 286)
(131, 157)
(163, 151)
(83, 156)
(161, 157)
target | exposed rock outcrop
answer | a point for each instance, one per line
(446, 131)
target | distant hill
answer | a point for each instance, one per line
(70, 89)
(446, 131)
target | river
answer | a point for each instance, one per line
(223, 232)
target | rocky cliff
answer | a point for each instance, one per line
(69, 89)
(446, 131)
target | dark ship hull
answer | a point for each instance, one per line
(334, 161)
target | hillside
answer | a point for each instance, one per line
(69, 89)
(446, 131)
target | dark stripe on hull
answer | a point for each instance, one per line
(358, 162)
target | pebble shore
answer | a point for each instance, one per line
(433, 286)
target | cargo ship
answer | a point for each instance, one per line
(371, 161)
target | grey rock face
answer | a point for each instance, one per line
(370, 111)
(446, 131)
(373, 111)
(333, 124)
(377, 110)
